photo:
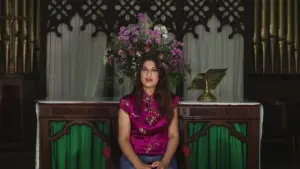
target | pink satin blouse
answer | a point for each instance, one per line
(149, 130)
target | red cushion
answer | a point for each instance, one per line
(107, 152)
(186, 150)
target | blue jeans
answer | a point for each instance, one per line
(126, 164)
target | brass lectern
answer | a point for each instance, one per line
(207, 81)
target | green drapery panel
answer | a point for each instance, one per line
(80, 149)
(217, 149)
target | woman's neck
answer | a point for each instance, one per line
(149, 91)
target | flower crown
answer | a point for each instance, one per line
(135, 41)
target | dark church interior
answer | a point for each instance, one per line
(271, 74)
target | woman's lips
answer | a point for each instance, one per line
(148, 80)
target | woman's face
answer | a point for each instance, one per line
(149, 74)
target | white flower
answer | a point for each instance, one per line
(164, 29)
(105, 60)
(157, 27)
(138, 54)
(165, 35)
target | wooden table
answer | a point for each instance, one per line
(224, 134)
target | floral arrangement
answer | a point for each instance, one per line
(131, 43)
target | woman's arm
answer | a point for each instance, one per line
(173, 139)
(123, 138)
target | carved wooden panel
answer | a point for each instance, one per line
(239, 112)
(180, 17)
(73, 110)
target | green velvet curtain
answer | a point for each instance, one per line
(79, 149)
(217, 149)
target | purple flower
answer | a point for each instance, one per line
(135, 33)
(173, 52)
(134, 27)
(177, 63)
(180, 44)
(176, 44)
(123, 38)
(142, 17)
(122, 29)
(110, 59)
(154, 34)
(126, 33)
(176, 52)
(148, 42)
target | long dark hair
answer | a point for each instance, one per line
(162, 94)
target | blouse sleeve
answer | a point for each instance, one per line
(175, 102)
(125, 104)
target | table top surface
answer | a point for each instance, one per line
(103, 100)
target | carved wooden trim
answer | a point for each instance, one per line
(66, 130)
(181, 17)
(204, 131)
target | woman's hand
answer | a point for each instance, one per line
(160, 165)
(144, 166)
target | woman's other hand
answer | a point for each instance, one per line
(144, 166)
(159, 165)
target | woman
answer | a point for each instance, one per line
(148, 120)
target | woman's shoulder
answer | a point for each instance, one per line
(126, 103)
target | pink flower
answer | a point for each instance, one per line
(131, 52)
(154, 34)
(157, 41)
(123, 38)
(121, 52)
(161, 56)
(148, 42)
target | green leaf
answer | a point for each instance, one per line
(129, 73)
(175, 78)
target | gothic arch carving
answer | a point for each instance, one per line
(181, 17)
